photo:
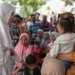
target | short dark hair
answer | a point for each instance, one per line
(18, 19)
(37, 13)
(37, 43)
(18, 16)
(31, 59)
(32, 15)
(44, 16)
(66, 24)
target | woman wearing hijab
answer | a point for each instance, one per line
(6, 48)
(23, 48)
(6, 15)
(39, 37)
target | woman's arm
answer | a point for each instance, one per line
(18, 68)
(68, 56)
(15, 71)
(54, 51)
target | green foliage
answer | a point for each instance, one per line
(28, 6)
(48, 8)
(68, 2)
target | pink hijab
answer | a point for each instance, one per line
(21, 50)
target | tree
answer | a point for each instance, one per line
(68, 2)
(28, 6)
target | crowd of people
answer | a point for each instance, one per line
(30, 46)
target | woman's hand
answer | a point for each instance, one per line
(18, 67)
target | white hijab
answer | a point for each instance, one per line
(5, 12)
(5, 40)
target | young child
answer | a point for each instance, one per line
(23, 48)
(36, 49)
(30, 68)
(65, 42)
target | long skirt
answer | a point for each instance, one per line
(52, 66)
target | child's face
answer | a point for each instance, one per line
(24, 40)
(36, 46)
(60, 29)
(31, 66)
